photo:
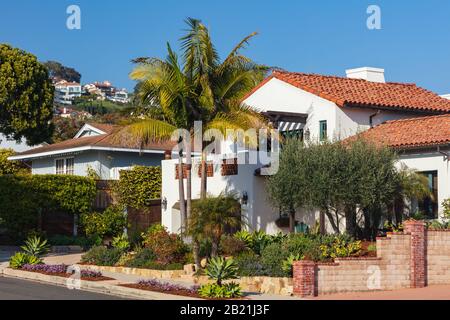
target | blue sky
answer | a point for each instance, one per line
(319, 36)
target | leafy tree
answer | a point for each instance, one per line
(65, 128)
(10, 167)
(57, 70)
(26, 96)
(350, 180)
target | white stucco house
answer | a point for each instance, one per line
(97, 147)
(329, 107)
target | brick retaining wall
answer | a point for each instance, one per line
(411, 259)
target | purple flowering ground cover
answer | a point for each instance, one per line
(165, 287)
(61, 270)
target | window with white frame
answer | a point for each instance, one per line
(65, 166)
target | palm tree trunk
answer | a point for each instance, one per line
(196, 252)
(203, 183)
(214, 248)
(188, 185)
(181, 192)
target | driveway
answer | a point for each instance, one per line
(441, 292)
(14, 289)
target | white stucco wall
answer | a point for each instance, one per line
(277, 95)
(431, 161)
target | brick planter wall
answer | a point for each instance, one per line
(411, 259)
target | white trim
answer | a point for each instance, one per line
(56, 152)
(88, 127)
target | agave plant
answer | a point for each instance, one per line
(20, 259)
(220, 269)
(34, 246)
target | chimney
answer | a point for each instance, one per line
(366, 73)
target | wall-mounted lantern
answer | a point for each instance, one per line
(244, 198)
(164, 203)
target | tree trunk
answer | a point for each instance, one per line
(350, 220)
(181, 192)
(214, 248)
(334, 224)
(196, 252)
(322, 229)
(292, 221)
(204, 178)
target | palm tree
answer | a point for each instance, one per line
(212, 216)
(200, 89)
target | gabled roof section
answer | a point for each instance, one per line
(411, 133)
(362, 93)
(116, 140)
(97, 128)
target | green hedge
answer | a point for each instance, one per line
(22, 197)
(137, 187)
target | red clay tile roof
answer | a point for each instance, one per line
(409, 133)
(363, 93)
(114, 139)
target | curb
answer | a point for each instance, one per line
(97, 287)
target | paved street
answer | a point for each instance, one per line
(13, 289)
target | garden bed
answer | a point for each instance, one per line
(61, 271)
(163, 287)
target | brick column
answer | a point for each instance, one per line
(418, 245)
(304, 278)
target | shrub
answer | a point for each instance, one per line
(24, 197)
(232, 246)
(446, 205)
(213, 290)
(20, 259)
(341, 249)
(102, 256)
(438, 225)
(121, 242)
(138, 186)
(168, 248)
(249, 264)
(142, 259)
(289, 262)
(8, 166)
(109, 223)
(34, 246)
(220, 269)
(272, 258)
(165, 286)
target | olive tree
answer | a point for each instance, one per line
(26, 96)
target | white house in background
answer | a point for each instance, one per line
(324, 107)
(66, 92)
(120, 96)
(96, 147)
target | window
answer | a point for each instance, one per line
(323, 130)
(65, 166)
(429, 205)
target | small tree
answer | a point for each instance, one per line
(211, 217)
(287, 188)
